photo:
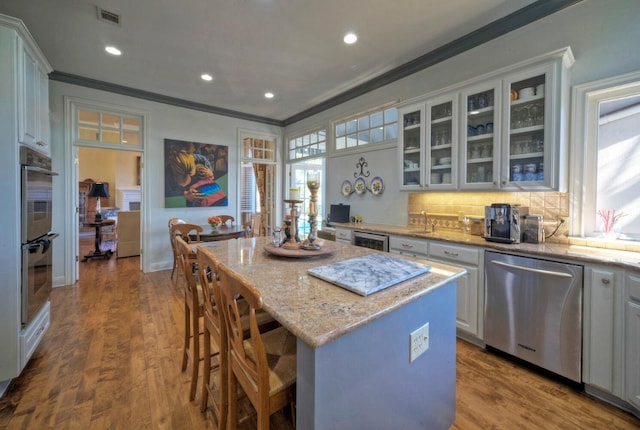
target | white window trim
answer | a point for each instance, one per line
(332, 151)
(584, 145)
(292, 136)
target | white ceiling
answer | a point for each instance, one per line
(292, 48)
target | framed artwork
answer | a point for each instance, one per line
(195, 174)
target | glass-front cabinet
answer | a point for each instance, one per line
(507, 132)
(480, 136)
(531, 130)
(411, 146)
(442, 134)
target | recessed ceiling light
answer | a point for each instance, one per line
(113, 50)
(350, 38)
(206, 77)
(269, 95)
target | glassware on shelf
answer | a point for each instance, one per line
(486, 151)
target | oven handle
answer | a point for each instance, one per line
(45, 243)
(532, 269)
(39, 170)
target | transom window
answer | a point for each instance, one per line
(308, 145)
(107, 127)
(372, 127)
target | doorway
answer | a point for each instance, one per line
(119, 171)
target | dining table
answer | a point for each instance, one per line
(355, 364)
(223, 232)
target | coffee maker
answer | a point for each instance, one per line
(502, 222)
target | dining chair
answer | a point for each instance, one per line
(193, 312)
(227, 218)
(171, 223)
(269, 383)
(253, 227)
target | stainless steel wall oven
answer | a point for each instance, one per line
(36, 235)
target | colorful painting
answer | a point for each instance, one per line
(195, 174)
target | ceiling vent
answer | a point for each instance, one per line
(105, 15)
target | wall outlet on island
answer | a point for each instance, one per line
(418, 342)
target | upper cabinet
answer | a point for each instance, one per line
(33, 98)
(503, 131)
(26, 83)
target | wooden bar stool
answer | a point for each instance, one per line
(193, 312)
(174, 269)
(184, 230)
(268, 384)
(214, 330)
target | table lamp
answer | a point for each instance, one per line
(97, 190)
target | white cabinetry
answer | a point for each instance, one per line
(470, 291)
(412, 247)
(508, 131)
(20, 60)
(603, 323)
(632, 362)
(343, 235)
(33, 97)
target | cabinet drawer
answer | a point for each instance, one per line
(344, 234)
(410, 246)
(31, 335)
(634, 287)
(455, 253)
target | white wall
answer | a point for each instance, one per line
(163, 122)
(602, 34)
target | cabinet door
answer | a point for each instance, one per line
(27, 96)
(442, 143)
(467, 302)
(410, 146)
(480, 136)
(602, 331)
(43, 134)
(529, 142)
(632, 364)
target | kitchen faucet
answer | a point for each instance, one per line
(426, 222)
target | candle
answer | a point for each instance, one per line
(294, 194)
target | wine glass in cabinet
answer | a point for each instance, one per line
(480, 136)
(442, 142)
(411, 146)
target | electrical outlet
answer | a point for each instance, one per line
(418, 342)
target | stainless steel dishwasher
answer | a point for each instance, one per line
(533, 310)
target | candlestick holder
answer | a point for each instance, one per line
(291, 242)
(313, 184)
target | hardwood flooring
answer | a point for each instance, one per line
(111, 360)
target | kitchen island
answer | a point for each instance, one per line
(353, 366)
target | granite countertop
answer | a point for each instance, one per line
(626, 259)
(314, 310)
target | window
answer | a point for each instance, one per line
(298, 179)
(606, 148)
(97, 126)
(308, 145)
(372, 127)
(249, 196)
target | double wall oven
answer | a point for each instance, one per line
(36, 236)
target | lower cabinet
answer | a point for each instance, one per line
(632, 364)
(603, 320)
(470, 291)
(470, 288)
(343, 235)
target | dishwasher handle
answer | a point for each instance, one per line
(533, 269)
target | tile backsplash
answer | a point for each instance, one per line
(551, 205)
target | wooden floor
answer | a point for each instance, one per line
(111, 360)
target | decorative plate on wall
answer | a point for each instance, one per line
(347, 188)
(360, 185)
(377, 185)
